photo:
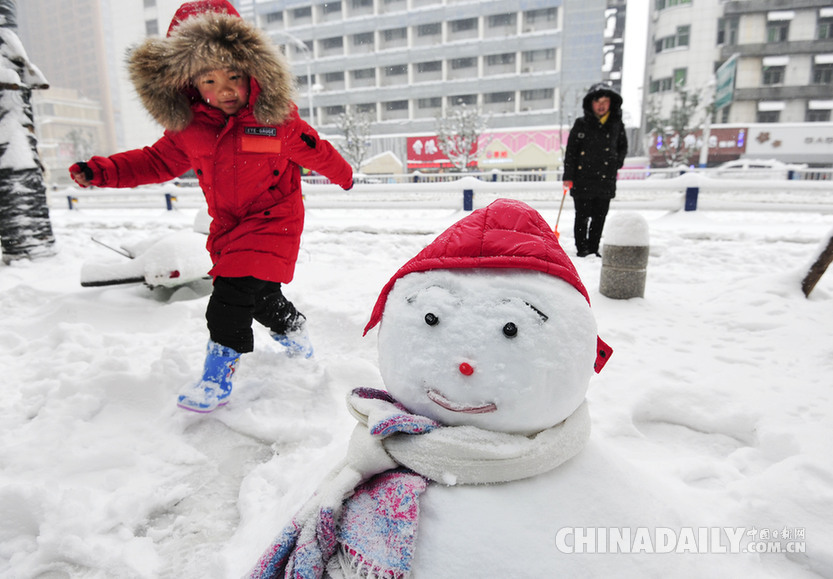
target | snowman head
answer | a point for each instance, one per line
(489, 326)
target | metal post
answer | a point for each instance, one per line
(691, 198)
(468, 199)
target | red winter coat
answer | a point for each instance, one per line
(250, 175)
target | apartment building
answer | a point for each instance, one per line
(782, 89)
(524, 63)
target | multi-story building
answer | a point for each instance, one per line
(523, 63)
(782, 96)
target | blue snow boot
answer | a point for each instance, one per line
(296, 342)
(215, 387)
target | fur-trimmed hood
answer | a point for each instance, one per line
(162, 69)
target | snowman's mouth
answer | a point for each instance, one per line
(437, 398)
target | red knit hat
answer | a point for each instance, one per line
(200, 7)
(506, 234)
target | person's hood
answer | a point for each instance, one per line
(602, 89)
(208, 37)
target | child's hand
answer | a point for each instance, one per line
(81, 173)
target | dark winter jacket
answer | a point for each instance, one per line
(247, 164)
(596, 151)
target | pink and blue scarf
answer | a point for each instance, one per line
(363, 520)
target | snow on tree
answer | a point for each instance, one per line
(356, 129)
(679, 143)
(25, 229)
(458, 133)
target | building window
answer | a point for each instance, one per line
(272, 17)
(458, 63)
(302, 13)
(331, 7)
(462, 99)
(777, 30)
(823, 73)
(542, 15)
(727, 30)
(151, 27)
(817, 116)
(500, 59)
(429, 29)
(773, 75)
(768, 116)
(396, 34)
(502, 20)
(334, 111)
(397, 70)
(824, 29)
(366, 108)
(464, 25)
(662, 85)
(363, 39)
(499, 97)
(663, 4)
(364, 73)
(334, 43)
(541, 94)
(546, 55)
(396, 106)
(334, 77)
(432, 66)
(430, 103)
(681, 38)
(680, 76)
(362, 4)
(150, 3)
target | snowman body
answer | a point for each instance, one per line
(509, 351)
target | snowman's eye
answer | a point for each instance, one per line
(431, 319)
(510, 330)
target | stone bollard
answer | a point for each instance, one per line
(624, 257)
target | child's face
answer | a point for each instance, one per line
(601, 106)
(227, 90)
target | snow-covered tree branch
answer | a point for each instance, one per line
(458, 134)
(356, 144)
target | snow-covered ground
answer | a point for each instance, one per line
(718, 395)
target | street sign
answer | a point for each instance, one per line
(725, 88)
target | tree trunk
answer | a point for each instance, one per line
(818, 268)
(25, 229)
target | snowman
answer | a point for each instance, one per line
(476, 457)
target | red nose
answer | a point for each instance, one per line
(466, 369)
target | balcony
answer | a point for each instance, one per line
(779, 93)
(777, 48)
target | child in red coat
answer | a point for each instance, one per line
(224, 96)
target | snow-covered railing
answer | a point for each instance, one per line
(689, 191)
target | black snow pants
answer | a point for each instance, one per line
(236, 301)
(590, 221)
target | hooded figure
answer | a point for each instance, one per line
(596, 150)
(224, 93)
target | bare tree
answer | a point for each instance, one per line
(25, 229)
(677, 132)
(356, 130)
(458, 134)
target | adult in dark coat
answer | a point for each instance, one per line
(596, 150)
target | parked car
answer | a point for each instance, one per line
(755, 169)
